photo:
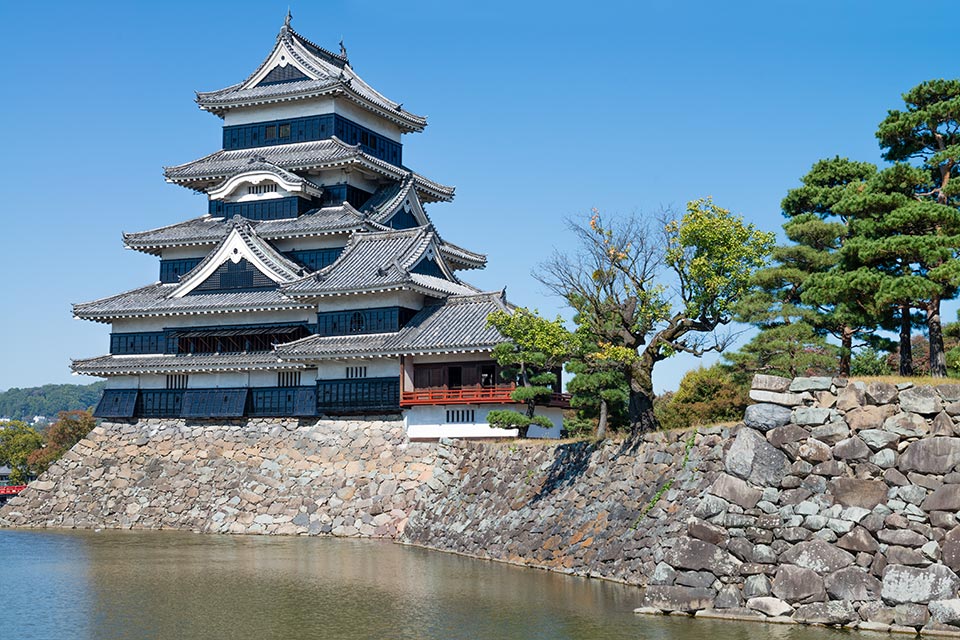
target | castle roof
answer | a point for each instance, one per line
(455, 324)
(330, 153)
(155, 300)
(112, 365)
(381, 261)
(298, 69)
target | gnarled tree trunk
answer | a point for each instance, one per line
(906, 347)
(641, 415)
(938, 359)
(602, 421)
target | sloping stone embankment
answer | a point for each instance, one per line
(346, 478)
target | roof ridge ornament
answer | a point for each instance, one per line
(343, 50)
(286, 21)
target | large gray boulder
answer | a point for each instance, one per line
(764, 382)
(945, 611)
(950, 549)
(908, 425)
(673, 598)
(944, 498)
(878, 439)
(881, 392)
(811, 416)
(754, 459)
(852, 583)
(769, 605)
(923, 400)
(772, 397)
(902, 584)
(837, 612)
(931, 455)
(855, 492)
(736, 491)
(812, 383)
(766, 416)
(818, 555)
(797, 584)
(697, 555)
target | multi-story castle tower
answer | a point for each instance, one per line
(315, 284)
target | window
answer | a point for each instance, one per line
(288, 379)
(356, 372)
(256, 189)
(270, 132)
(488, 375)
(461, 415)
(177, 381)
(284, 131)
(357, 322)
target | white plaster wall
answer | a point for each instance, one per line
(376, 368)
(126, 325)
(175, 253)
(431, 422)
(220, 380)
(153, 381)
(123, 382)
(409, 299)
(313, 107)
(330, 241)
(326, 177)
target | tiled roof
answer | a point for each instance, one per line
(377, 261)
(328, 73)
(267, 257)
(111, 365)
(154, 300)
(300, 156)
(459, 323)
(207, 230)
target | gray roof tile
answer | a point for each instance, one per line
(459, 323)
(111, 365)
(328, 72)
(154, 300)
(298, 156)
(377, 261)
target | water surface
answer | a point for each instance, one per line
(174, 585)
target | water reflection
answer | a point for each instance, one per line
(174, 585)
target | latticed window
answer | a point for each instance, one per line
(356, 372)
(288, 379)
(461, 415)
(256, 189)
(177, 381)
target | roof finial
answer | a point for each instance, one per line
(286, 21)
(343, 49)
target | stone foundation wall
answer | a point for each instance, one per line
(602, 510)
(832, 503)
(346, 478)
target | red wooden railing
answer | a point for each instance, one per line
(470, 395)
(12, 490)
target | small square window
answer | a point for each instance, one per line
(284, 131)
(270, 132)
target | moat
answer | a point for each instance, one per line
(177, 585)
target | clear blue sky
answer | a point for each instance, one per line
(538, 111)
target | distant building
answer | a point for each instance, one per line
(315, 283)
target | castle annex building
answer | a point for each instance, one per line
(315, 283)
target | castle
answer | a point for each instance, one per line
(315, 284)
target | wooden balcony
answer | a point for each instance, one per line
(472, 395)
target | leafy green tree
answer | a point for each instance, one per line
(925, 233)
(790, 349)
(706, 395)
(70, 428)
(871, 362)
(17, 441)
(599, 389)
(614, 284)
(912, 246)
(829, 293)
(535, 347)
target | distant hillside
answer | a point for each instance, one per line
(48, 400)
